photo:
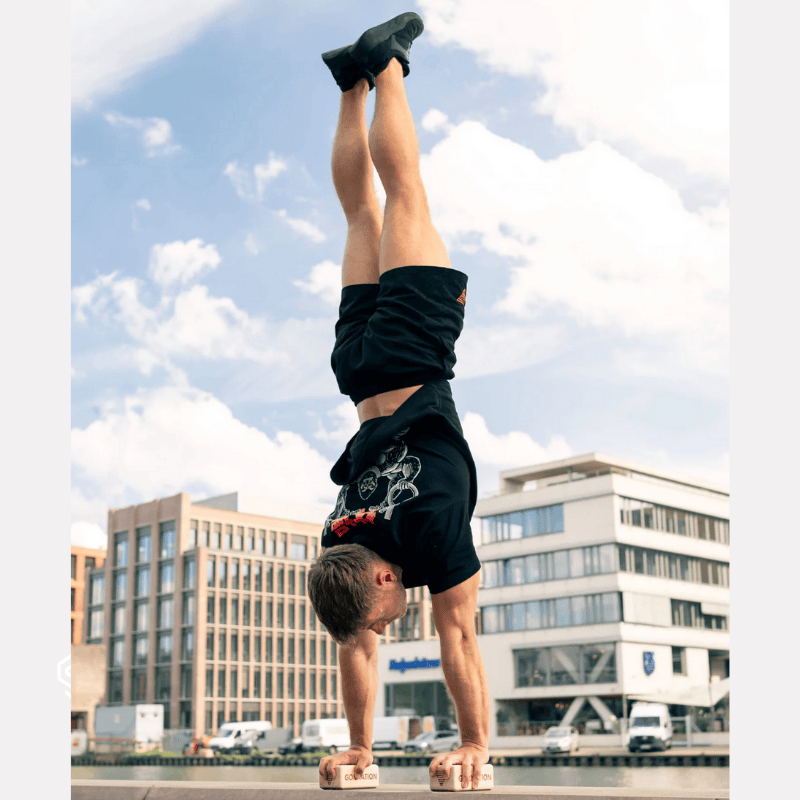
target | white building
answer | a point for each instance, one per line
(604, 581)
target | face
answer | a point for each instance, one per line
(391, 606)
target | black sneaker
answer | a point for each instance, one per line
(376, 47)
(346, 71)
(373, 50)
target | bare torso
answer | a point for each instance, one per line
(383, 404)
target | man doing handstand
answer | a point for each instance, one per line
(408, 485)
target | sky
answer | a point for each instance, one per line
(575, 156)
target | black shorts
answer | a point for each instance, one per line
(400, 332)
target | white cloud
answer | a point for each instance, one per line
(156, 133)
(89, 520)
(508, 450)
(325, 280)
(167, 440)
(253, 245)
(250, 184)
(589, 235)
(435, 120)
(649, 76)
(78, 162)
(180, 262)
(194, 324)
(144, 204)
(345, 425)
(303, 227)
(113, 40)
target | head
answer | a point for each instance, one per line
(352, 589)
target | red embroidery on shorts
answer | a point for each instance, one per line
(343, 524)
(462, 298)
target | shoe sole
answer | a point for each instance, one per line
(369, 40)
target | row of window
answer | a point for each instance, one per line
(556, 565)
(280, 650)
(579, 562)
(642, 514)
(559, 612)
(672, 565)
(296, 685)
(224, 611)
(521, 524)
(566, 665)
(166, 548)
(275, 545)
(226, 683)
(224, 573)
(687, 614)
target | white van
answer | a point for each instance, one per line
(392, 733)
(326, 734)
(229, 736)
(650, 727)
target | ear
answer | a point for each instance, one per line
(385, 576)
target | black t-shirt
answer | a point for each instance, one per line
(408, 491)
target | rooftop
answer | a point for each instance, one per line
(591, 464)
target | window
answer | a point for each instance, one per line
(301, 616)
(551, 613)
(222, 654)
(166, 610)
(97, 590)
(269, 578)
(187, 616)
(73, 567)
(209, 682)
(257, 647)
(117, 652)
(678, 660)
(246, 576)
(114, 687)
(210, 571)
(216, 537)
(257, 613)
(143, 547)
(234, 647)
(89, 562)
(519, 524)
(96, 624)
(166, 577)
(72, 598)
(234, 681)
(257, 577)
(227, 539)
(298, 548)
(565, 665)
(279, 616)
(291, 581)
(205, 534)
(291, 616)
(210, 609)
(118, 619)
(120, 585)
(121, 549)
(246, 612)
(187, 644)
(164, 652)
(223, 609)
(280, 581)
(223, 573)
(256, 683)
(246, 682)
(238, 541)
(234, 573)
(268, 651)
(302, 579)
(234, 610)
(186, 680)
(221, 683)
(246, 647)
(279, 654)
(268, 684)
(142, 581)
(193, 535)
(167, 534)
(139, 685)
(260, 545)
(210, 646)
(188, 573)
(642, 514)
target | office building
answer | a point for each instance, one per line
(603, 582)
(81, 559)
(202, 608)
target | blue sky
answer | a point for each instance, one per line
(575, 156)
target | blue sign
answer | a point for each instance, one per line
(418, 663)
(649, 661)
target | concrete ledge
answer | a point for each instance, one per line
(222, 790)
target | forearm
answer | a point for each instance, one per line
(466, 679)
(359, 674)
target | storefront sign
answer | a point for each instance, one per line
(418, 663)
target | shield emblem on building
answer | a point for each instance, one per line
(649, 662)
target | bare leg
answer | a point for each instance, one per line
(408, 236)
(351, 165)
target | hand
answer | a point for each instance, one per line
(471, 757)
(360, 756)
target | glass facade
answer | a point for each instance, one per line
(643, 514)
(522, 524)
(565, 665)
(686, 614)
(559, 564)
(673, 565)
(559, 612)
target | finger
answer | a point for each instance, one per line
(435, 766)
(363, 762)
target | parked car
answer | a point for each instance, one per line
(560, 740)
(434, 742)
(295, 746)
